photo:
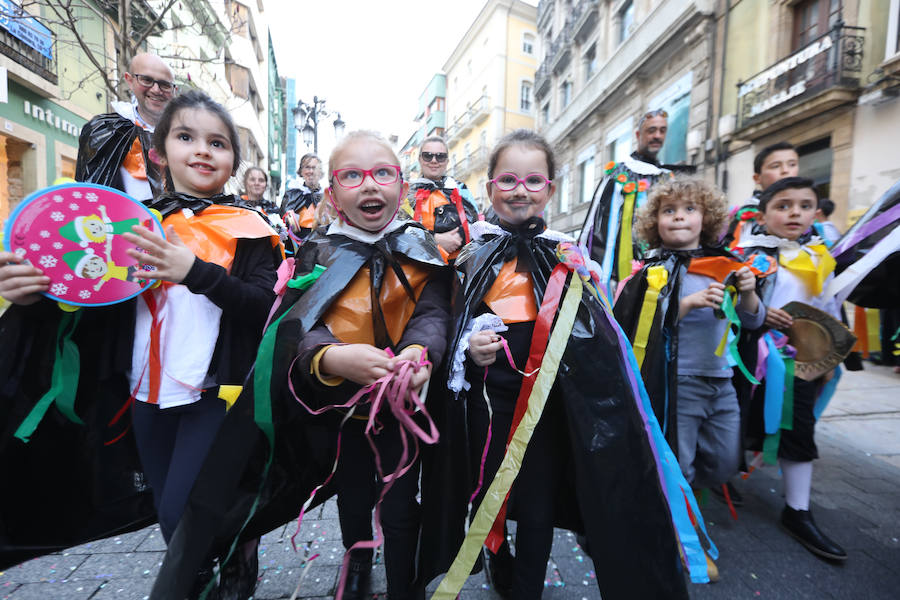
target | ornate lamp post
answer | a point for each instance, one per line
(306, 121)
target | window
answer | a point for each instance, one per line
(240, 19)
(676, 101)
(562, 190)
(482, 141)
(590, 62)
(545, 114)
(525, 96)
(528, 43)
(436, 105)
(626, 20)
(813, 18)
(893, 33)
(239, 80)
(618, 141)
(565, 93)
(586, 178)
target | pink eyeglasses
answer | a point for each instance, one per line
(353, 177)
(533, 182)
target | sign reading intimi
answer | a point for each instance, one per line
(47, 115)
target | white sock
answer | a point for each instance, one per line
(797, 482)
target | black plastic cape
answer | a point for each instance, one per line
(881, 287)
(102, 146)
(622, 509)
(660, 360)
(232, 476)
(73, 483)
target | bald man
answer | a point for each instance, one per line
(113, 147)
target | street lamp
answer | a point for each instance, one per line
(306, 121)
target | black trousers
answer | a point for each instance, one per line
(359, 487)
(533, 498)
(172, 444)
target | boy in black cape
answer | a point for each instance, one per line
(590, 464)
(273, 449)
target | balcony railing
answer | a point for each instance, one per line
(28, 57)
(833, 60)
(474, 115)
(542, 80)
(561, 48)
(544, 9)
(584, 18)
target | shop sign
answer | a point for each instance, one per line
(46, 115)
(26, 28)
(797, 59)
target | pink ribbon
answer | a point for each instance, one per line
(393, 392)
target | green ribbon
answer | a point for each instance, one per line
(262, 401)
(735, 324)
(63, 379)
(771, 443)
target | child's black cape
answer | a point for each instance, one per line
(232, 478)
(615, 494)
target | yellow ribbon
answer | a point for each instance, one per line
(230, 393)
(626, 250)
(512, 461)
(812, 271)
(657, 277)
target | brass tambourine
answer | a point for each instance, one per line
(822, 341)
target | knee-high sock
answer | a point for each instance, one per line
(797, 482)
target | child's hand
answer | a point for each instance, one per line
(450, 241)
(483, 347)
(746, 285)
(21, 283)
(711, 297)
(171, 258)
(420, 375)
(746, 280)
(777, 318)
(359, 363)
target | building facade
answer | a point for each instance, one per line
(604, 64)
(821, 75)
(221, 47)
(490, 87)
(277, 121)
(431, 119)
(47, 93)
(292, 143)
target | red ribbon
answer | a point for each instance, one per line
(539, 340)
(154, 356)
(457, 201)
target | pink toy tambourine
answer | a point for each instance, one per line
(72, 232)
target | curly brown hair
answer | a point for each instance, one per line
(689, 189)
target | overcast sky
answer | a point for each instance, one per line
(371, 60)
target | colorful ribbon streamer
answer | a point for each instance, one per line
(498, 490)
(63, 379)
(657, 277)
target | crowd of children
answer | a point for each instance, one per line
(533, 407)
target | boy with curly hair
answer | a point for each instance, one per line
(679, 299)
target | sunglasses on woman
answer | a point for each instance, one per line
(434, 156)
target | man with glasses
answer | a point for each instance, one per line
(442, 204)
(607, 230)
(113, 148)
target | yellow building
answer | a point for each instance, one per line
(490, 87)
(820, 75)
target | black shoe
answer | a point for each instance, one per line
(500, 570)
(237, 579)
(736, 498)
(800, 524)
(359, 574)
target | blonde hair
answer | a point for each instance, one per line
(354, 136)
(687, 189)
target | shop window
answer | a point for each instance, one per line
(676, 101)
(815, 163)
(67, 167)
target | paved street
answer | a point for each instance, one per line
(856, 500)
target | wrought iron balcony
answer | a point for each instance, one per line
(28, 57)
(585, 17)
(830, 62)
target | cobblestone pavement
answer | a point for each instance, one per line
(856, 500)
